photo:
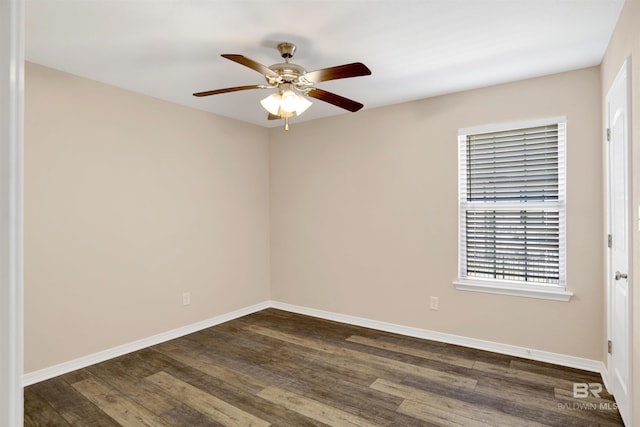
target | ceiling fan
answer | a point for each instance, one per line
(294, 84)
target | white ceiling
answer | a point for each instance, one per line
(415, 48)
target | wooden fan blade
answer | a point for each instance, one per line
(337, 100)
(273, 117)
(229, 89)
(340, 72)
(243, 60)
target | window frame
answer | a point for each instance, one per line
(556, 292)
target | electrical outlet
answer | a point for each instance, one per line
(435, 302)
(186, 298)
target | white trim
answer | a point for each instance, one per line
(503, 288)
(101, 356)
(493, 127)
(11, 192)
(625, 406)
(507, 349)
(605, 377)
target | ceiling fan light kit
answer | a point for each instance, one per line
(285, 104)
(285, 101)
(294, 84)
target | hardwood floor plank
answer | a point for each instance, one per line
(249, 402)
(541, 414)
(242, 384)
(154, 361)
(522, 375)
(75, 376)
(211, 406)
(211, 367)
(116, 405)
(377, 411)
(130, 364)
(439, 416)
(468, 410)
(266, 366)
(38, 412)
(335, 331)
(555, 371)
(138, 391)
(321, 368)
(285, 369)
(338, 389)
(448, 349)
(371, 360)
(313, 409)
(425, 354)
(323, 381)
(70, 404)
(524, 397)
(183, 415)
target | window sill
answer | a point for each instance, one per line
(513, 290)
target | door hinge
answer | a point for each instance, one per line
(608, 134)
(609, 240)
(609, 346)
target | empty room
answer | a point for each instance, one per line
(321, 213)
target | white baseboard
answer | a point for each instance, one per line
(511, 350)
(101, 356)
(605, 377)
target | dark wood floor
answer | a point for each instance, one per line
(283, 369)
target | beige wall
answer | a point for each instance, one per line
(129, 202)
(364, 215)
(624, 43)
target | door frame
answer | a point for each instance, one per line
(626, 70)
(11, 211)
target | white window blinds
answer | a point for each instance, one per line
(512, 190)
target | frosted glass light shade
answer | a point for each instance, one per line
(272, 103)
(285, 104)
(289, 102)
(303, 104)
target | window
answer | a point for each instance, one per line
(512, 209)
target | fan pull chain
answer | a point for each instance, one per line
(286, 123)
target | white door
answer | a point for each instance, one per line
(619, 281)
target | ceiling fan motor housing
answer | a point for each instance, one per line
(290, 73)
